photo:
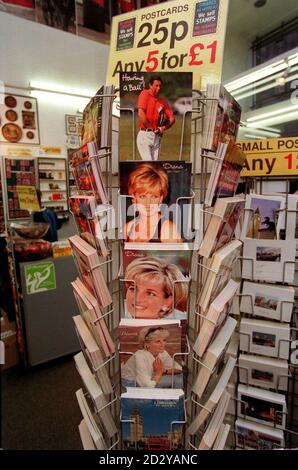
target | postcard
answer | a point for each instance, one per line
(155, 201)
(269, 260)
(262, 406)
(155, 116)
(268, 301)
(255, 436)
(143, 343)
(263, 372)
(265, 338)
(141, 429)
(264, 217)
(156, 282)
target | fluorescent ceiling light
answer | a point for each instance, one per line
(270, 129)
(272, 115)
(52, 87)
(279, 119)
(277, 112)
(262, 71)
(253, 136)
(58, 99)
(262, 131)
(254, 91)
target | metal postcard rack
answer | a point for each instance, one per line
(185, 353)
(290, 391)
(113, 313)
(195, 405)
(198, 277)
(103, 159)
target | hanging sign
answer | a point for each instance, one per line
(27, 198)
(270, 157)
(50, 150)
(185, 36)
(19, 152)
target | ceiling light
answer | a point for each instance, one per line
(272, 115)
(60, 99)
(277, 119)
(254, 75)
(259, 117)
(281, 81)
(253, 136)
(254, 91)
(60, 88)
(262, 131)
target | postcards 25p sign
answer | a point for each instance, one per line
(185, 36)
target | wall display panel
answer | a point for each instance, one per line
(19, 120)
(73, 124)
(18, 172)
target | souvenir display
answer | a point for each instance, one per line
(18, 172)
(18, 119)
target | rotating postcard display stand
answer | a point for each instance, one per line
(98, 367)
(110, 314)
(211, 397)
(215, 425)
(132, 419)
(209, 411)
(112, 363)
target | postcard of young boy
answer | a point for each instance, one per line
(155, 116)
(155, 201)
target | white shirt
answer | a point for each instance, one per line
(139, 367)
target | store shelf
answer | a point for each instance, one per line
(55, 167)
(51, 179)
(55, 201)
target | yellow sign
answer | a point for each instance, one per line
(19, 152)
(28, 198)
(270, 157)
(180, 36)
(51, 150)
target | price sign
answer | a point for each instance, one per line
(175, 36)
(270, 157)
(27, 198)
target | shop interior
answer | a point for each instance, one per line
(53, 66)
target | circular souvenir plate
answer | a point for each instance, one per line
(30, 135)
(27, 104)
(12, 132)
(11, 115)
(10, 101)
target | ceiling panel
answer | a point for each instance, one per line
(245, 18)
